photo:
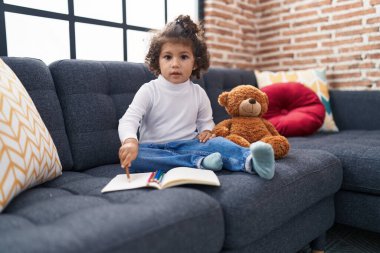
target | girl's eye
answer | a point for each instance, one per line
(167, 57)
(184, 57)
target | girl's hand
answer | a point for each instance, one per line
(128, 152)
(205, 136)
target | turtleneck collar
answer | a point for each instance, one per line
(171, 85)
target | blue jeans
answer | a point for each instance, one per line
(190, 153)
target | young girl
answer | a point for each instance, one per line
(174, 115)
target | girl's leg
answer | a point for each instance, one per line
(212, 162)
(234, 157)
(258, 158)
(156, 156)
(263, 159)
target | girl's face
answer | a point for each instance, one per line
(176, 62)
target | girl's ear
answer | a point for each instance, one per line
(222, 99)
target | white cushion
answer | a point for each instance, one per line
(28, 156)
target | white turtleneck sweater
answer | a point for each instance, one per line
(167, 112)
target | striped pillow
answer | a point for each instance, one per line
(315, 79)
(28, 156)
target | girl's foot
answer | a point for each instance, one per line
(262, 159)
(212, 162)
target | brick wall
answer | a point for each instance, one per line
(341, 35)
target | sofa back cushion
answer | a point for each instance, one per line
(356, 110)
(94, 95)
(217, 80)
(36, 78)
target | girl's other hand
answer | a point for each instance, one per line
(205, 136)
(128, 152)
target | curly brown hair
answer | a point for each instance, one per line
(181, 30)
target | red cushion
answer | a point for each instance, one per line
(294, 109)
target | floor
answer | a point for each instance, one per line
(345, 239)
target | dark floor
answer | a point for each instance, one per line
(345, 239)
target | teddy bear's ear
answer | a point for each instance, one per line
(264, 107)
(222, 99)
(266, 98)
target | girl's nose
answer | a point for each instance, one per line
(175, 62)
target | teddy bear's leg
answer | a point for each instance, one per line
(262, 159)
(238, 140)
(280, 145)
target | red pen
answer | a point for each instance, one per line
(151, 177)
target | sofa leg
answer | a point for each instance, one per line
(318, 244)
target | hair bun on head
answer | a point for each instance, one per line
(188, 26)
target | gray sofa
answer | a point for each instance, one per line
(357, 146)
(81, 102)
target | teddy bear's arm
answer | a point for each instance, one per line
(222, 128)
(270, 127)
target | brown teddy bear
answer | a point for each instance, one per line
(246, 104)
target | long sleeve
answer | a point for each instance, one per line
(164, 112)
(131, 120)
(204, 119)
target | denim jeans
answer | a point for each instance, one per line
(190, 153)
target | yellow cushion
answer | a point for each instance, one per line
(28, 155)
(315, 79)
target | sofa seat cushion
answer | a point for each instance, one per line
(358, 151)
(254, 207)
(69, 214)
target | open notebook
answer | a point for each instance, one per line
(159, 180)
